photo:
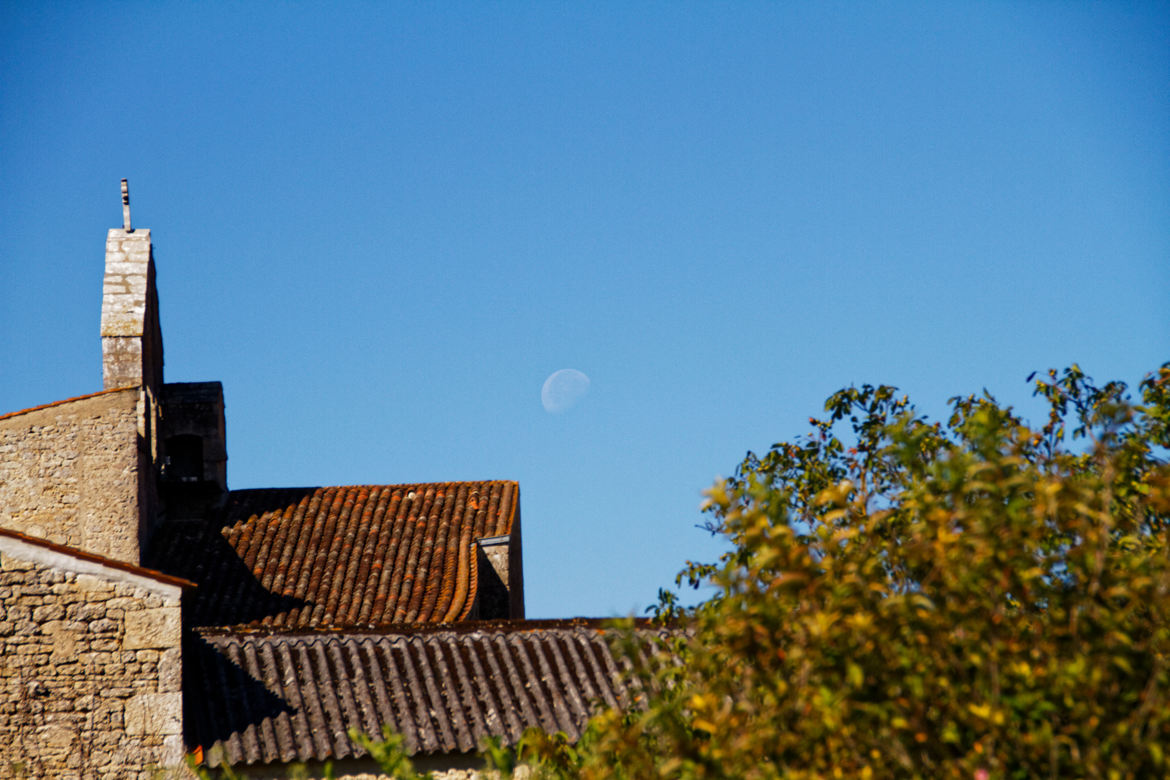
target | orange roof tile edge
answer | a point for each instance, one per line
(515, 505)
(387, 486)
(461, 604)
(469, 586)
(67, 401)
(101, 559)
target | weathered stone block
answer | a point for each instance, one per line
(86, 612)
(48, 612)
(94, 588)
(172, 752)
(152, 628)
(103, 626)
(57, 735)
(154, 713)
(170, 670)
(9, 563)
(64, 646)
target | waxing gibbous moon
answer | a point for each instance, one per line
(562, 389)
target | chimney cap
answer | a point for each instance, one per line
(126, 207)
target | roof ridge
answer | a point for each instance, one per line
(421, 629)
(371, 484)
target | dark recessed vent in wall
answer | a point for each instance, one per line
(184, 458)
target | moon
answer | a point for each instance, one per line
(563, 389)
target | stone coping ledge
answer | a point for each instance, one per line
(51, 554)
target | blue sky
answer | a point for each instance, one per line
(383, 225)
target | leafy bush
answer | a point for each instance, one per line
(975, 599)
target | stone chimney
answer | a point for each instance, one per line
(132, 352)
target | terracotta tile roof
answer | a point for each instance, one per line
(292, 697)
(337, 556)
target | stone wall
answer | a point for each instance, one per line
(91, 677)
(73, 473)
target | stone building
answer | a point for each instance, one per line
(148, 612)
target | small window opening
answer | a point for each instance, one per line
(185, 458)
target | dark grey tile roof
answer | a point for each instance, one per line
(278, 697)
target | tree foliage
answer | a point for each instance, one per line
(978, 598)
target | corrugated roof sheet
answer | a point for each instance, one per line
(292, 697)
(337, 556)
